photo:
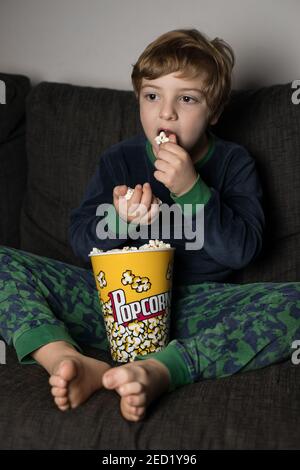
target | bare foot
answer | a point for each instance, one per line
(73, 376)
(138, 383)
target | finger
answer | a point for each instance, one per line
(151, 214)
(120, 191)
(139, 210)
(171, 146)
(162, 165)
(146, 196)
(135, 200)
(120, 202)
(173, 138)
(155, 148)
(154, 211)
(160, 176)
(167, 154)
(136, 197)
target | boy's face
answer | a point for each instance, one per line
(175, 104)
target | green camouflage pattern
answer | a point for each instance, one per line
(219, 329)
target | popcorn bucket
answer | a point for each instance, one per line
(134, 289)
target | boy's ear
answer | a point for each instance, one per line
(215, 119)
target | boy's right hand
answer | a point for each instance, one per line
(142, 208)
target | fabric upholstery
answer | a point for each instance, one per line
(68, 127)
(254, 410)
(13, 164)
(268, 124)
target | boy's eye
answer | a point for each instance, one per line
(186, 99)
(150, 96)
(189, 99)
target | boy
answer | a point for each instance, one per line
(182, 82)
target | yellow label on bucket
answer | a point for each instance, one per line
(135, 295)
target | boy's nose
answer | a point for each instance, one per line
(167, 111)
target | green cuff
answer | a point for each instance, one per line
(32, 339)
(198, 194)
(172, 359)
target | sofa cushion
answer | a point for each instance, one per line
(253, 410)
(13, 165)
(267, 123)
(68, 129)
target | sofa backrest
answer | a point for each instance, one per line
(68, 127)
(267, 123)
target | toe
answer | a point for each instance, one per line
(131, 388)
(61, 401)
(67, 370)
(140, 412)
(59, 392)
(130, 412)
(64, 407)
(116, 377)
(136, 400)
(57, 381)
(133, 413)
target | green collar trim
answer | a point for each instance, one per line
(200, 163)
(210, 151)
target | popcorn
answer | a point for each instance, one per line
(130, 192)
(146, 336)
(152, 245)
(155, 244)
(101, 279)
(95, 251)
(161, 138)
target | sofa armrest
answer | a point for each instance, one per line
(13, 165)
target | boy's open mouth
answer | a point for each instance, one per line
(168, 132)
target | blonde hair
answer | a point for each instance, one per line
(190, 52)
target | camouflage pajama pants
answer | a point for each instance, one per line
(217, 329)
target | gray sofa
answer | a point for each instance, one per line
(67, 128)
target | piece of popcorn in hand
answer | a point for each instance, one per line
(161, 138)
(130, 192)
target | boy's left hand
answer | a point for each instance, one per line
(174, 167)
